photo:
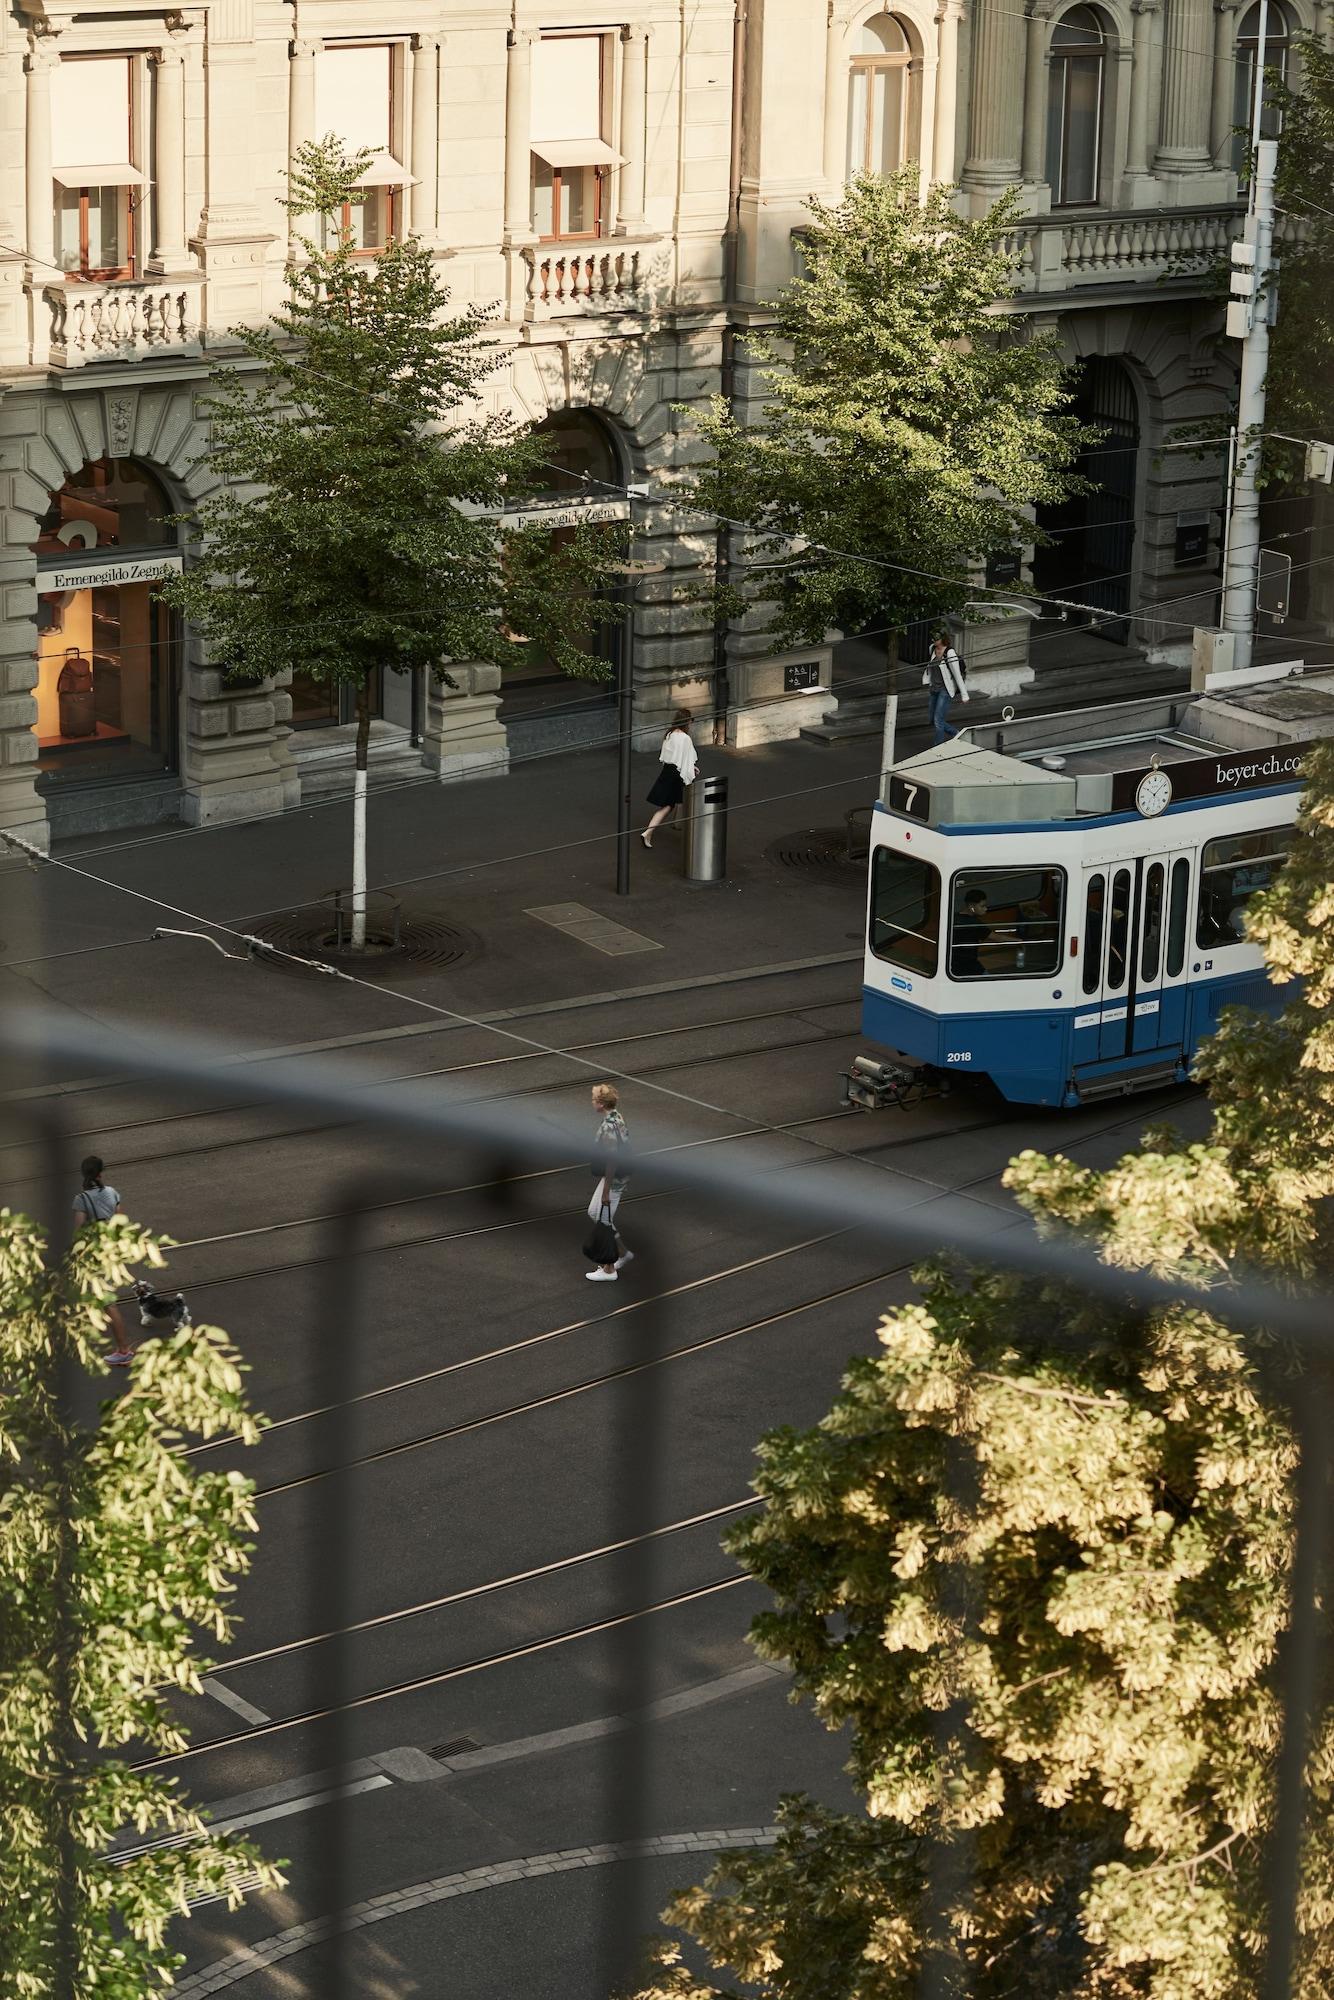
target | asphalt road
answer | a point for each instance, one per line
(510, 1425)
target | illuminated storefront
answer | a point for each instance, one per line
(106, 651)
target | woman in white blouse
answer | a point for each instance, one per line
(679, 765)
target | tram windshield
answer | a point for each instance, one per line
(1006, 923)
(905, 910)
(1232, 870)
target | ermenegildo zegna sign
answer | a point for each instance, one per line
(101, 573)
(1219, 775)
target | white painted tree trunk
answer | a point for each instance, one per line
(887, 745)
(359, 862)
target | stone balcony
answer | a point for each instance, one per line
(594, 280)
(1064, 253)
(123, 320)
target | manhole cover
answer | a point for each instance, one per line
(820, 852)
(311, 933)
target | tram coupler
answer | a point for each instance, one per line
(872, 1083)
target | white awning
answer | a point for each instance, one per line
(576, 153)
(82, 176)
(353, 88)
(385, 171)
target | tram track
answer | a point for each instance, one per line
(566, 1634)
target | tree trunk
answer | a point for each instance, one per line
(359, 817)
(891, 710)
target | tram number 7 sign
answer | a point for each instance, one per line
(906, 796)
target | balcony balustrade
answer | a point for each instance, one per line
(1059, 253)
(593, 281)
(120, 321)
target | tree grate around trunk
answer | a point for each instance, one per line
(312, 932)
(820, 853)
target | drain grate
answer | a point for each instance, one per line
(820, 853)
(457, 1746)
(422, 941)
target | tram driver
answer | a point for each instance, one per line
(973, 931)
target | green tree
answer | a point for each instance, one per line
(114, 1554)
(1044, 1581)
(907, 423)
(339, 543)
(1300, 382)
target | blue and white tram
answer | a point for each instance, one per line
(1059, 904)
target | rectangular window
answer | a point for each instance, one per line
(570, 154)
(905, 911)
(98, 189)
(1006, 923)
(1176, 922)
(1095, 904)
(356, 99)
(1151, 921)
(1232, 870)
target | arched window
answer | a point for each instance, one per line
(1247, 77)
(1074, 107)
(882, 103)
(106, 650)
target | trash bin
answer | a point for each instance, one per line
(704, 856)
(858, 824)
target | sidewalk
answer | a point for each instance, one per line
(494, 851)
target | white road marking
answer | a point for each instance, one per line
(235, 1702)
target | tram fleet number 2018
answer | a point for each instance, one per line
(959, 1055)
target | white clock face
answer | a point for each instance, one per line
(1153, 793)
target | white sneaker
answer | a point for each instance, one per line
(626, 1257)
(600, 1277)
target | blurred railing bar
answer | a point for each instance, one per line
(851, 1203)
(333, 1338)
(1300, 1665)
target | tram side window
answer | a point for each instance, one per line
(1232, 870)
(1006, 923)
(1094, 910)
(1176, 917)
(905, 911)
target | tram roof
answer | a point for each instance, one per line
(1088, 763)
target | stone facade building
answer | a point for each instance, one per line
(625, 188)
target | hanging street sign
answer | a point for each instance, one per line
(103, 570)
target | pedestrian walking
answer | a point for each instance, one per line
(678, 769)
(947, 681)
(96, 1203)
(611, 1142)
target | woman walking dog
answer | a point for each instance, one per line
(679, 765)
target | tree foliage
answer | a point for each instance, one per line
(114, 1555)
(907, 423)
(1037, 1561)
(349, 441)
(1301, 349)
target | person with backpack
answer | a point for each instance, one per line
(96, 1203)
(946, 678)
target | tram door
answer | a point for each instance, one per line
(1136, 917)
(1158, 1002)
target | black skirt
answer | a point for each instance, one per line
(667, 788)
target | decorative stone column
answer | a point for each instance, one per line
(464, 737)
(1225, 69)
(634, 130)
(995, 108)
(39, 62)
(835, 101)
(169, 251)
(300, 117)
(1187, 98)
(944, 148)
(425, 160)
(518, 138)
(1036, 59)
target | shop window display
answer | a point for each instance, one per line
(106, 651)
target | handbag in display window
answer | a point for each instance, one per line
(75, 698)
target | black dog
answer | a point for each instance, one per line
(161, 1305)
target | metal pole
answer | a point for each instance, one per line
(624, 719)
(1243, 569)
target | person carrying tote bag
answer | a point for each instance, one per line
(678, 769)
(603, 1247)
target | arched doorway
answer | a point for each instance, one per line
(1090, 557)
(582, 464)
(106, 651)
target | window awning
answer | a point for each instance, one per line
(576, 153)
(80, 176)
(385, 171)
